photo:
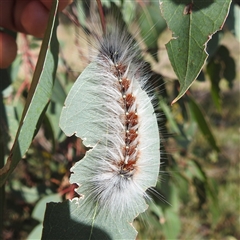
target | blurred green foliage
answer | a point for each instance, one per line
(199, 179)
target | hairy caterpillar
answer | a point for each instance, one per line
(109, 109)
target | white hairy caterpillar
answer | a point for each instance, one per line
(115, 118)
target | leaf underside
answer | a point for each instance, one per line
(79, 118)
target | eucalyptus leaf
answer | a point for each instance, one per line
(194, 170)
(67, 221)
(172, 223)
(52, 117)
(220, 66)
(228, 65)
(193, 24)
(84, 115)
(151, 26)
(128, 11)
(198, 115)
(77, 116)
(12, 122)
(15, 67)
(214, 69)
(38, 96)
(35, 233)
(39, 209)
(237, 22)
(166, 109)
(59, 93)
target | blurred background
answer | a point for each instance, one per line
(199, 179)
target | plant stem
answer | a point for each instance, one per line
(102, 18)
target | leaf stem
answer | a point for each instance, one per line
(101, 14)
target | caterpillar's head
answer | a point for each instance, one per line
(110, 52)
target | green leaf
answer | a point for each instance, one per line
(71, 220)
(151, 26)
(200, 188)
(172, 223)
(173, 124)
(38, 96)
(107, 3)
(12, 122)
(233, 20)
(237, 21)
(52, 117)
(212, 191)
(54, 111)
(30, 195)
(84, 115)
(15, 67)
(182, 182)
(202, 123)
(128, 11)
(194, 170)
(39, 209)
(35, 233)
(228, 64)
(213, 44)
(83, 121)
(220, 66)
(214, 70)
(59, 95)
(192, 24)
